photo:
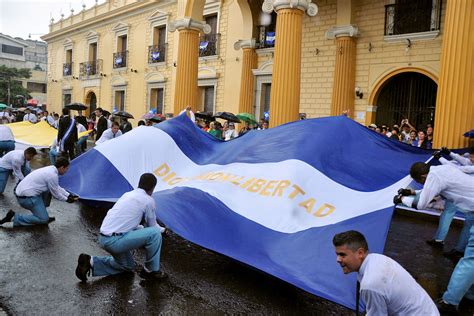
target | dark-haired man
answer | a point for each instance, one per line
(67, 134)
(457, 187)
(34, 193)
(121, 233)
(110, 133)
(16, 162)
(101, 123)
(385, 286)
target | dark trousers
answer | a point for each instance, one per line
(69, 151)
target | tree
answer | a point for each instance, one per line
(10, 84)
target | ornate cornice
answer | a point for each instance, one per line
(350, 30)
(241, 44)
(304, 5)
(188, 23)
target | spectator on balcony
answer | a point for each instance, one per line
(189, 113)
(111, 133)
(101, 123)
(30, 116)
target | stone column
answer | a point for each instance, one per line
(344, 71)
(187, 63)
(247, 82)
(285, 95)
(455, 99)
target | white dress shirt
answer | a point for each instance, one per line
(80, 128)
(42, 180)
(452, 184)
(128, 212)
(388, 289)
(107, 135)
(50, 120)
(6, 133)
(30, 117)
(14, 160)
(230, 134)
(463, 161)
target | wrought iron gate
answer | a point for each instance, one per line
(408, 95)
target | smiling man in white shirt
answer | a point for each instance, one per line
(34, 193)
(121, 233)
(16, 162)
(110, 133)
(385, 286)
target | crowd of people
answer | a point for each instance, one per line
(407, 133)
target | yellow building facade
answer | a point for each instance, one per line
(378, 60)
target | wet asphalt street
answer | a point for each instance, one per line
(37, 272)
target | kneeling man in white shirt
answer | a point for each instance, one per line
(385, 287)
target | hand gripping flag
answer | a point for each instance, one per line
(272, 199)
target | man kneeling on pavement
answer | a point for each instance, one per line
(34, 193)
(121, 232)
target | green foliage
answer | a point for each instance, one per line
(10, 77)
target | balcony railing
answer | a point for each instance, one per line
(266, 37)
(90, 68)
(120, 59)
(209, 45)
(412, 17)
(67, 69)
(156, 53)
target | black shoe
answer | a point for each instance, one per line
(8, 217)
(84, 267)
(445, 308)
(436, 244)
(154, 275)
(454, 255)
(51, 219)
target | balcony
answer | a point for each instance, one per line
(67, 69)
(90, 68)
(156, 54)
(412, 17)
(209, 45)
(266, 37)
(120, 59)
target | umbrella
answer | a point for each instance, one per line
(207, 116)
(76, 106)
(469, 134)
(3, 106)
(123, 114)
(32, 102)
(148, 116)
(227, 116)
(247, 117)
(157, 118)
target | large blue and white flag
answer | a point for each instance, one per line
(272, 199)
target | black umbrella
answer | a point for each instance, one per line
(123, 114)
(157, 119)
(76, 106)
(227, 116)
(105, 113)
(207, 116)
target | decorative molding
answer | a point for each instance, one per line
(120, 28)
(188, 23)
(92, 37)
(412, 36)
(154, 77)
(207, 73)
(265, 69)
(68, 43)
(307, 6)
(350, 30)
(91, 83)
(118, 81)
(159, 17)
(241, 44)
(211, 7)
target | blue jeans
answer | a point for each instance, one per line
(4, 174)
(445, 220)
(37, 205)
(6, 146)
(120, 248)
(80, 144)
(53, 153)
(462, 279)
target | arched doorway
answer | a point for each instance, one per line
(407, 95)
(91, 102)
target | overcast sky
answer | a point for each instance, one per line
(18, 18)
